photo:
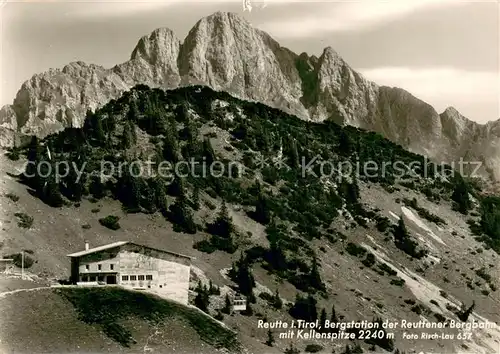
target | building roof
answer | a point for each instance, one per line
(118, 244)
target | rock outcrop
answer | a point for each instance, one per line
(225, 52)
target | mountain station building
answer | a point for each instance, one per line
(134, 266)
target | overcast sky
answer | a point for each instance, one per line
(445, 52)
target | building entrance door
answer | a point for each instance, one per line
(111, 279)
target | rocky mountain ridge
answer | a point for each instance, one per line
(224, 52)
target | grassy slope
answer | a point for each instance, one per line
(72, 320)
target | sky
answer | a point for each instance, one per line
(445, 52)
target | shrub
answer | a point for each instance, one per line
(482, 274)
(18, 260)
(355, 250)
(12, 197)
(313, 348)
(369, 260)
(387, 269)
(398, 282)
(25, 221)
(111, 222)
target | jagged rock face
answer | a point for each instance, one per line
(226, 53)
(153, 61)
(343, 94)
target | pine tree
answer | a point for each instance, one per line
(128, 136)
(333, 316)
(223, 224)
(400, 232)
(171, 145)
(345, 143)
(202, 300)
(160, 195)
(133, 111)
(461, 195)
(322, 320)
(130, 191)
(333, 319)
(99, 133)
(291, 350)
(277, 303)
(181, 216)
(196, 198)
(270, 338)
(34, 158)
(293, 153)
(241, 274)
(262, 211)
(464, 314)
(315, 278)
(227, 305)
(51, 193)
(208, 152)
(304, 308)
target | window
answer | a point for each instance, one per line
(140, 277)
(99, 267)
(161, 286)
(87, 267)
(100, 278)
(92, 278)
(111, 266)
(149, 277)
(132, 278)
(85, 278)
(124, 277)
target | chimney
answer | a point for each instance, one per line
(86, 245)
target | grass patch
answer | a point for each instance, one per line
(107, 306)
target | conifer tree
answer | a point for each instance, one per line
(196, 198)
(322, 319)
(128, 136)
(223, 224)
(202, 300)
(314, 276)
(99, 133)
(333, 319)
(461, 195)
(171, 145)
(270, 338)
(262, 210)
(181, 216)
(34, 158)
(345, 143)
(208, 152)
(241, 274)
(51, 193)
(227, 305)
(277, 302)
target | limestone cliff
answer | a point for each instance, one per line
(225, 52)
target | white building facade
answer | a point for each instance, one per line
(133, 266)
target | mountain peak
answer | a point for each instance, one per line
(157, 43)
(452, 111)
(220, 22)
